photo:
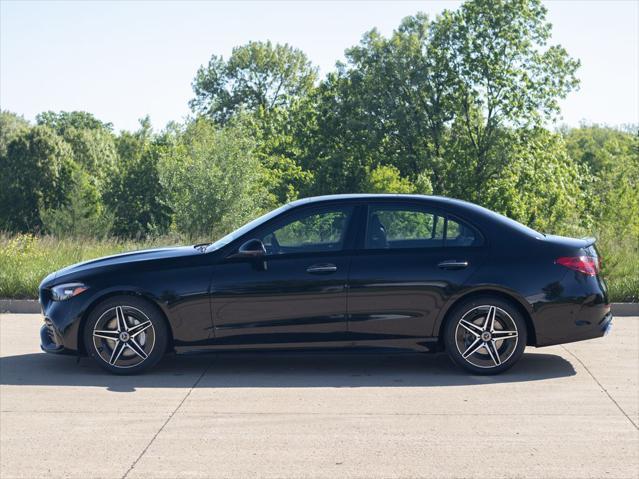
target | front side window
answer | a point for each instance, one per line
(405, 226)
(314, 231)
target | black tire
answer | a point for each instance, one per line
(142, 345)
(472, 346)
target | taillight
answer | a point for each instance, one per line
(584, 264)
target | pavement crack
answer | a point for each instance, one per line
(177, 408)
(600, 385)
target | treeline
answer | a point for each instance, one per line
(452, 106)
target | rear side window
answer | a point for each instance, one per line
(406, 226)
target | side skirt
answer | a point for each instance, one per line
(423, 345)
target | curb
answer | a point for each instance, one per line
(31, 306)
(625, 309)
(20, 306)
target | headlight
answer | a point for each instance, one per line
(66, 291)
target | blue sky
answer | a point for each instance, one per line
(123, 60)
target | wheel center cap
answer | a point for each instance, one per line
(486, 336)
(124, 336)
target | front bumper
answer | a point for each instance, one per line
(50, 339)
(59, 333)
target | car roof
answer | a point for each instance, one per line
(442, 200)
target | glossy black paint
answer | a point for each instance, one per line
(215, 299)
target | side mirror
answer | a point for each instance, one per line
(253, 248)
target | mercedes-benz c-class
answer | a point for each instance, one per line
(346, 271)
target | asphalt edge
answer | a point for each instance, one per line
(31, 306)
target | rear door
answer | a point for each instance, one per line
(410, 260)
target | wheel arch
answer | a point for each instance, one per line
(519, 303)
(137, 294)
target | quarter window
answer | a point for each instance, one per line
(458, 234)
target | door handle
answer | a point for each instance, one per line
(453, 264)
(321, 268)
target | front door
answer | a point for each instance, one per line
(410, 262)
(300, 294)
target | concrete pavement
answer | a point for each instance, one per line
(567, 411)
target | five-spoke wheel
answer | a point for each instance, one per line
(485, 335)
(125, 335)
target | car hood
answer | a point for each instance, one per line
(124, 258)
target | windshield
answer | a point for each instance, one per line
(246, 228)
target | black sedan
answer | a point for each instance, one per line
(357, 271)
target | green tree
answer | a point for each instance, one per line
(262, 85)
(83, 215)
(503, 73)
(133, 192)
(393, 98)
(214, 178)
(90, 139)
(11, 126)
(612, 156)
(438, 96)
(387, 179)
(36, 173)
(62, 121)
(276, 146)
(258, 76)
(540, 185)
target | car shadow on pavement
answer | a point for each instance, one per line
(275, 370)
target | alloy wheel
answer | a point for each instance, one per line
(486, 336)
(124, 336)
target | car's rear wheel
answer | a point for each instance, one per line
(125, 335)
(485, 335)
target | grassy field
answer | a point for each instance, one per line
(26, 259)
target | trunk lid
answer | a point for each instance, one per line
(577, 243)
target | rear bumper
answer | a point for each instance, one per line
(593, 323)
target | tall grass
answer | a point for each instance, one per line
(620, 267)
(26, 259)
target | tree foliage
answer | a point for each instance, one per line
(133, 192)
(82, 215)
(259, 76)
(214, 179)
(11, 126)
(612, 157)
(36, 173)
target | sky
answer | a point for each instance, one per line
(122, 60)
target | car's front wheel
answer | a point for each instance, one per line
(125, 335)
(485, 335)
